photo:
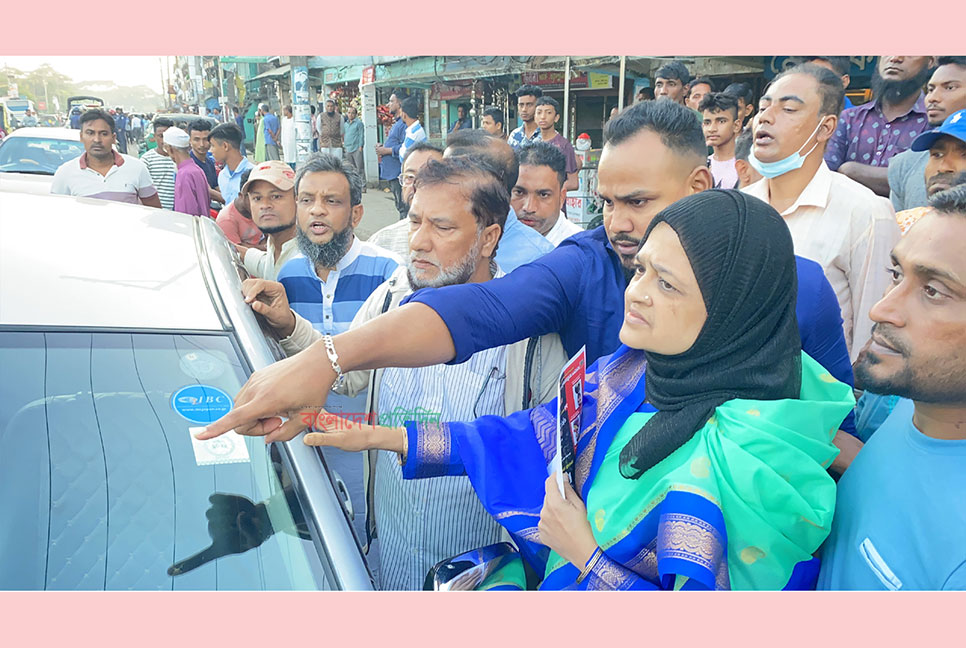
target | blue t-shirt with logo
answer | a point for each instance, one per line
(900, 518)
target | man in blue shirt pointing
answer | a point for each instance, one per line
(655, 154)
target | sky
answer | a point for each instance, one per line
(123, 70)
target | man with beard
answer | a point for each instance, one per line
(945, 94)
(868, 136)
(655, 154)
(190, 185)
(271, 199)
(900, 514)
(833, 220)
(335, 272)
(331, 130)
(456, 217)
(945, 148)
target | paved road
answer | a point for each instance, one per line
(379, 210)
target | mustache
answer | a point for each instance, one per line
(886, 333)
(625, 238)
(952, 179)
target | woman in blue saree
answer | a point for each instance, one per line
(704, 440)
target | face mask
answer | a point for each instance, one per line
(781, 167)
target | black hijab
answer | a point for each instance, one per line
(749, 347)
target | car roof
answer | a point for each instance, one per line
(84, 262)
(47, 132)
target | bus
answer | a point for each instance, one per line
(18, 107)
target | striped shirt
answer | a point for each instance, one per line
(331, 304)
(162, 169)
(127, 181)
(414, 133)
(423, 521)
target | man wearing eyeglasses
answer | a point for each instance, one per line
(395, 237)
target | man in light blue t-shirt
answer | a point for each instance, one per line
(900, 518)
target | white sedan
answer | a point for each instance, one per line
(30, 156)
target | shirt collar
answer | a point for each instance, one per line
(815, 193)
(350, 255)
(118, 159)
(919, 107)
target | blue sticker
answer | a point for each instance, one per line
(201, 403)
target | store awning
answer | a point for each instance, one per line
(243, 59)
(280, 71)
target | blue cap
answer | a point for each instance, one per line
(955, 126)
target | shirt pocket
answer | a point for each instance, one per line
(878, 565)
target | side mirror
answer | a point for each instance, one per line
(496, 566)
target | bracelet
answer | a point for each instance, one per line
(334, 359)
(405, 449)
(590, 564)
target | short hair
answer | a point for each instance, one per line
(544, 154)
(228, 132)
(840, 64)
(950, 201)
(465, 107)
(719, 102)
(410, 106)
(328, 163)
(676, 124)
(199, 125)
(93, 114)
(674, 70)
(489, 198)
(705, 80)
(422, 145)
(529, 90)
(495, 114)
(162, 122)
(549, 101)
(263, 106)
(743, 145)
(245, 176)
(741, 90)
(477, 142)
(951, 60)
(829, 86)
(287, 107)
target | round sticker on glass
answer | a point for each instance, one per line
(201, 403)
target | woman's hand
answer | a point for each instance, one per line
(564, 526)
(346, 434)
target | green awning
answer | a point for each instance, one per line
(244, 59)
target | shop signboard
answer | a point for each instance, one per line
(555, 80)
(368, 75)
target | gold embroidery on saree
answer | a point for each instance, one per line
(434, 443)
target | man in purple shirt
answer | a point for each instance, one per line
(547, 113)
(869, 135)
(190, 184)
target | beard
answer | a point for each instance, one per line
(896, 91)
(275, 229)
(938, 380)
(460, 273)
(326, 255)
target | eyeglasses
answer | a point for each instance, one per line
(407, 179)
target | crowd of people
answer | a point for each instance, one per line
(760, 265)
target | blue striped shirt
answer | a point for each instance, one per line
(420, 522)
(331, 304)
(414, 133)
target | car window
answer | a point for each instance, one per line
(101, 486)
(36, 154)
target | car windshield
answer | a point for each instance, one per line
(36, 154)
(102, 486)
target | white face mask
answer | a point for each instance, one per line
(783, 166)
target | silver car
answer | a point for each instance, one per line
(122, 328)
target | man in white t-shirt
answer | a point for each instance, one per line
(102, 172)
(721, 126)
(288, 137)
(539, 196)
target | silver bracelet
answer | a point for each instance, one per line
(334, 359)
